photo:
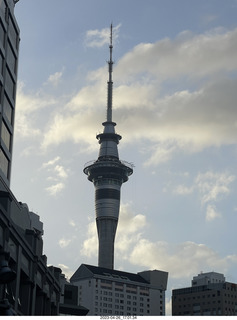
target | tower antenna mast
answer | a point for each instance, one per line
(110, 82)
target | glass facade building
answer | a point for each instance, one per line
(9, 48)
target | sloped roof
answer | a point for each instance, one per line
(88, 271)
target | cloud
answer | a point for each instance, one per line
(51, 162)
(55, 189)
(90, 245)
(66, 270)
(183, 190)
(182, 260)
(27, 106)
(58, 174)
(61, 172)
(55, 78)
(98, 38)
(161, 153)
(211, 213)
(213, 186)
(169, 94)
(63, 243)
(188, 54)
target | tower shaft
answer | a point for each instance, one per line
(108, 174)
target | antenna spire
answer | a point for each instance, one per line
(110, 82)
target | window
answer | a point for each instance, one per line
(10, 85)
(6, 136)
(13, 33)
(11, 59)
(1, 62)
(4, 163)
(2, 35)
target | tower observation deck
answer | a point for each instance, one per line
(108, 173)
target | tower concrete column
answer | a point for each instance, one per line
(108, 173)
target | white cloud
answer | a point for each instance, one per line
(160, 153)
(55, 78)
(63, 243)
(27, 106)
(66, 270)
(51, 162)
(211, 213)
(72, 223)
(182, 260)
(55, 189)
(58, 174)
(90, 245)
(98, 38)
(61, 172)
(213, 186)
(183, 190)
(191, 55)
(172, 97)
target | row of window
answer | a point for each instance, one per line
(121, 295)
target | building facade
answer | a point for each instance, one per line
(209, 294)
(111, 292)
(108, 173)
(36, 288)
(9, 47)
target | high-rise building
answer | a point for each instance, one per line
(209, 294)
(108, 173)
(9, 45)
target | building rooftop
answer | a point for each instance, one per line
(86, 270)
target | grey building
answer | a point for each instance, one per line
(209, 294)
(112, 292)
(108, 173)
(9, 47)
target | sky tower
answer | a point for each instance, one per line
(108, 173)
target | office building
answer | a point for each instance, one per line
(9, 47)
(111, 292)
(209, 294)
(108, 173)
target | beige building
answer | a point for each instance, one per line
(111, 292)
(209, 294)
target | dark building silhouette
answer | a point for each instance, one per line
(209, 294)
(108, 173)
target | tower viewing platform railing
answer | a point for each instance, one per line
(125, 163)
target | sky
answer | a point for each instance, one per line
(174, 102)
